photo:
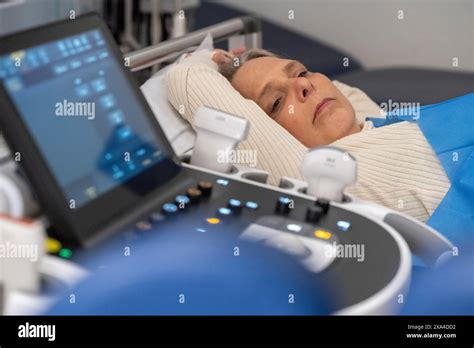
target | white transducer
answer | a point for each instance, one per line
(328, 170)
(218, 134)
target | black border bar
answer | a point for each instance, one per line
(141, 330)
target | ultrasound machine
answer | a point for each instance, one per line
(102, 172)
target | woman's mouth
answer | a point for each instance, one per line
(321, 107)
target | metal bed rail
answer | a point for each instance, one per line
(240, 31)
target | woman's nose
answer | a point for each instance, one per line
(304, 88)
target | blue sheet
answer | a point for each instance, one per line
(449, 129)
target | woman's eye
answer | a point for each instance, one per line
(303, 73)
(275, 104)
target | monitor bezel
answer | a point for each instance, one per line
(77, 225)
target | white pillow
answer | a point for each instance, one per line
(178, 131)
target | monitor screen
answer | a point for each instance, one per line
(82, 113)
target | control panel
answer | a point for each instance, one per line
(340, 247)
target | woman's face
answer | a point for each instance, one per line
(307, 104)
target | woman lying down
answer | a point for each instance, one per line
(397, 166)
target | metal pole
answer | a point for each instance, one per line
(151, 55)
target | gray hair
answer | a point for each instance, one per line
(230, 68)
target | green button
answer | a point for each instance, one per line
(65, 253)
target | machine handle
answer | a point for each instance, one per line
(424, 241)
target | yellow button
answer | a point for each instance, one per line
(53, 245)
(322, 234)
(213, 221)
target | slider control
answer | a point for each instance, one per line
(194, 194)
(235, 204)
(283, 205)
(205, 187)
(323, 203)
(313, 214)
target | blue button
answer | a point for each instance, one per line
(156, 216)
(182, 199)
(234, 203)
(251, 205)
(224, 211)
(222, 182)
(343, 225)
(284, 200)
(169, 208)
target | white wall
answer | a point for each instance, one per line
(16, 15)
(430, 35)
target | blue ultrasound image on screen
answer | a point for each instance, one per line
(79, 108)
